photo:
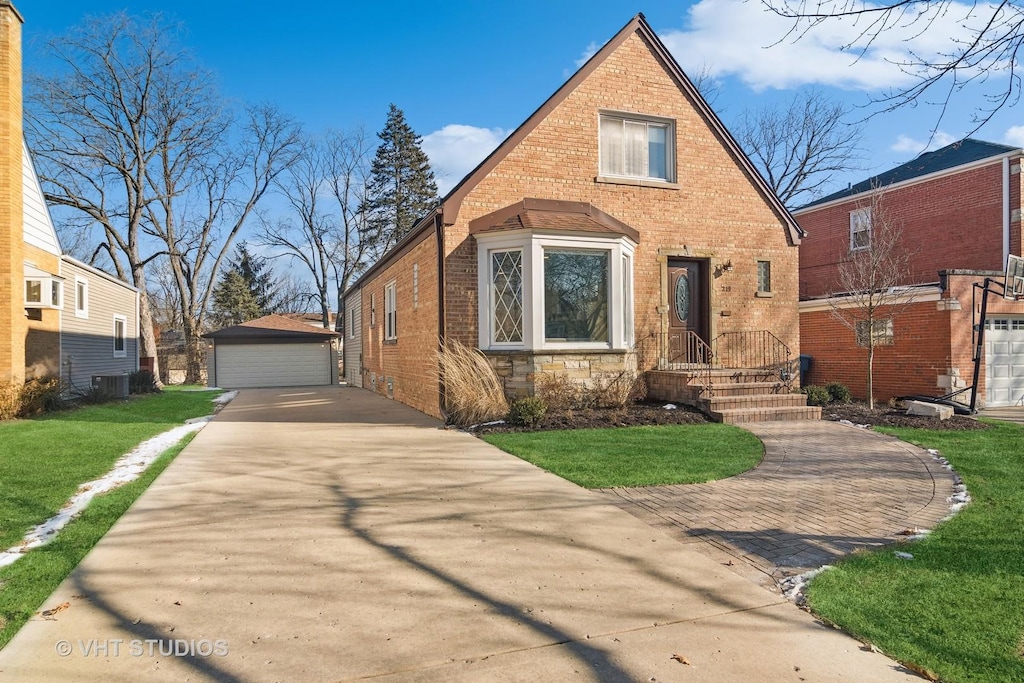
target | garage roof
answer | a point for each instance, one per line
(272, 327)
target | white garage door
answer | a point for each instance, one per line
(273, 365)
(1004, 361)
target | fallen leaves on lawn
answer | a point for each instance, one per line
(927, 674)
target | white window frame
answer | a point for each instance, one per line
(48, 287)
(373, 309)
(123, 353)
(81, 304)
(620, 286)
(390, 311)
(881, 332)
(647, 121)
(860, 222)
(351, 323)
(490, 298)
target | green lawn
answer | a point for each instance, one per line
(25, 584)
(42, 463)
(637, 456)
(957, 608)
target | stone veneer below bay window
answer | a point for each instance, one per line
(554, 291)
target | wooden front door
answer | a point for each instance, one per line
(687, 310)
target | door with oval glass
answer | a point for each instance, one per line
(688, 306)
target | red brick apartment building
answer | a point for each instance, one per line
(959, 208)
(619, 227)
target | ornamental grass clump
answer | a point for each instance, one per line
(472, 390)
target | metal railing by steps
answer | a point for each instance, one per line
(739, 377)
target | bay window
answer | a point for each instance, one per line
(555, 291)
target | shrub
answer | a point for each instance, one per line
(559, 392)
(816, 395)
(94, 394)
(142, 382)
(527, 412)
(10, 400)
(472, 390)
(838, 392)
(43, 395)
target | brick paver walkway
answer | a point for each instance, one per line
(823, 490)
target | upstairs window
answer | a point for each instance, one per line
(860, 229)
(636, 147)
(81, 298)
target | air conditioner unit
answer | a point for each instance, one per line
(115, 385)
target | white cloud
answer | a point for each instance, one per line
(1014, 136)
(905, 143)
(456, 149)
(735, 37)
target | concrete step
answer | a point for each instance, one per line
(719, 403)
(749, 389)
(787, 413)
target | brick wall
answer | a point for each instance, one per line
(716, 212)
(954, 221)
(410, 361)
(12, 311)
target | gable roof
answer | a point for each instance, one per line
(959, 153)
(450, 205)
(272, 327)
(452, 202)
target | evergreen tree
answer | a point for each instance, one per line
(233, 300)
(258, 276)
(402, 188)
(245, 290)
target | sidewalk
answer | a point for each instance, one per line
(822, 491)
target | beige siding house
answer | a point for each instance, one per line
(99, 332)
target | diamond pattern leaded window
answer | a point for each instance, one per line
(507, 281)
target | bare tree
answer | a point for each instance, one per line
(869, 295)
(131, 136)
(325, 189)
(799, 149)
(983, 53)
(204, 190)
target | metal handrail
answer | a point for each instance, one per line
(697, 358)
(758, 350)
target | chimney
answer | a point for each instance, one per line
(13, 324)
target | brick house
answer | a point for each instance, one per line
(618, 229)
(58, 317)
(959, 208)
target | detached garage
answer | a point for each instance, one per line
(272, 351)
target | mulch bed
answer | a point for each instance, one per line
(655, 413)
(860, 414)
(633, 415)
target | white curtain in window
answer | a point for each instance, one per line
(611, 146)
(636, 149)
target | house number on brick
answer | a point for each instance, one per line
(726, 288)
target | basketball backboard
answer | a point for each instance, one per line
(1014, 282)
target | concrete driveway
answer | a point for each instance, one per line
(331, 534)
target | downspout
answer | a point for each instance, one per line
(1006, 211)
(439, 236)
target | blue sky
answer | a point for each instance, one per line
(467, 73)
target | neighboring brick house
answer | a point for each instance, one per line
(959, 208)
(619, 228)
(58, 317)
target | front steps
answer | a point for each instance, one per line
(736, 395)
